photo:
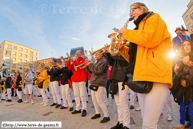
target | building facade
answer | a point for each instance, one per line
(188, 17)
(17, 56)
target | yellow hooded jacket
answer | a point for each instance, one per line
(44, 77)
(154, 45)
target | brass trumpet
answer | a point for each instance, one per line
(92, 53)
(76, 67)
(65, 58)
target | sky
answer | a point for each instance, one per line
(55, 26)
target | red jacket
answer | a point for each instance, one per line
(78, 75)
(89, 75)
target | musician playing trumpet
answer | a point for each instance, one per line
(78, 82)
(99, 79)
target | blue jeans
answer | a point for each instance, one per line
(183, 113)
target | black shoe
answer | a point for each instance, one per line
(48, 97)
(75, 112)
(118, 126)
(20, 101)
(132, 107)
(89, 95)
(62, 107)
(86, 101)
(188, 124)
(53, 104)
(73, 101)
(96, 116)
(39, 95)
(58, 105)
(2, 99)
(71, 109)
(8, 100)
(105, 119)
(125, 127)
(84, 113)
(61, 99)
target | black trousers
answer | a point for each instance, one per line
(107, 89)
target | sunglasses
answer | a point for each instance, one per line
(132, 9)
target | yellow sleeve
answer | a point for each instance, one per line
(43, 76)
(124, 53)
(149, 34)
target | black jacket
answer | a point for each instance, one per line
(18, 80)
(180, 93)
(8, 82)
(98, 72)
(66, 74)
(54, 74)
(118, 64)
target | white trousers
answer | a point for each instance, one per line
(169, 103)
(151, 105)
(131, 97)
(36, 90)
(56, 96)
(89, 91)
(79, 90)
(97, 98)
(44, 96)
(66, 96)
(105, 100)
(3, 95)
(72, 94)
(19, 94)
(47, 93)
(9, 93)
(122, 102)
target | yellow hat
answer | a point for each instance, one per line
(28, 68)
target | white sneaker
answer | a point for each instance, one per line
(169, 118)
(138, 109)
(46, 104)
(26, 101)
(42, 103)
(32, 102)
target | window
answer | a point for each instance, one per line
(35, 63)
(15, 53)
(20, 60)
(30, 63)
(8, 46)
(35, 69)
(15, 47)
(8, 53)
(13, 71)
(36, 54)
(26, 50)
(7, 59)
(13, 59)
(30, 58)
(189, 25)
(25, 61)
(8, 65)
(24, 67)
(25, 56)
(35, 58)
(31, 53)
(20, 54)
(49, 61)
(21, 49)
(13, 65)
(187, 18)
(19, 66)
